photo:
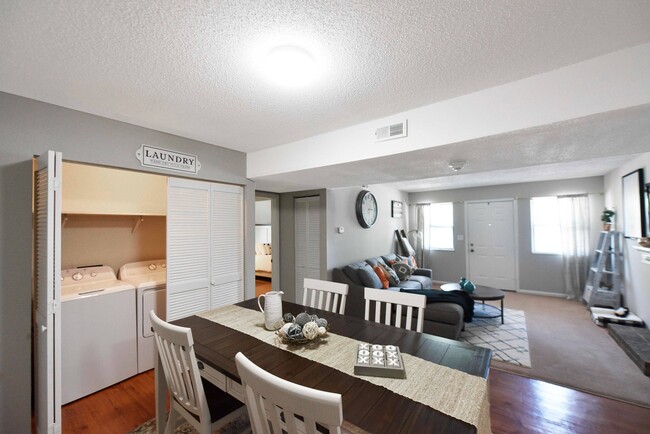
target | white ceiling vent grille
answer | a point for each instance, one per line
(390, 132)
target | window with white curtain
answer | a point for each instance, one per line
(441, 226)
(545, 225)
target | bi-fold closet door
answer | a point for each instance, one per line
(205, 246)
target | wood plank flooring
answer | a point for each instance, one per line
(518, 405)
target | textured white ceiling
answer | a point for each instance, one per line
(189, 67)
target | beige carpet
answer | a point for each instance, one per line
(568, 349)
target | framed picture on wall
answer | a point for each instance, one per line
(634, 217)
(396, 209)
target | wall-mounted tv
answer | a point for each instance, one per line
(634, 214)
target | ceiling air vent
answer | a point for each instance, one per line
(389, 132)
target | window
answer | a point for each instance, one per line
(441, 226)
(545, 225)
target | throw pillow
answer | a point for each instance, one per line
(382, 276)
(392, 277)
(369, 278)
(403, 270)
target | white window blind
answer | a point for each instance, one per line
(545, 225)
(441, 226)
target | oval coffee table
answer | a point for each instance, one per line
(483, 294)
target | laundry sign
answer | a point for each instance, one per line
(150, 156)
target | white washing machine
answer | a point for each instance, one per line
(150, 281)
(98, 340)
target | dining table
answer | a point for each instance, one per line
(367, 407)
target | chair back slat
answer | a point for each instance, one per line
(387, 299)
(318, 294)
(268, 396)
(176, 352)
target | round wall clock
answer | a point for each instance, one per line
(366, 209)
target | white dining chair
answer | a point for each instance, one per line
(385, 298)
(202, 404)
(276, 405)
(325, 295)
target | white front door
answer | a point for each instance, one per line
(47, 293)
(491, 244)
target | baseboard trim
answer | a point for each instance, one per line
(545, 294)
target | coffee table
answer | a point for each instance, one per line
(487, 293)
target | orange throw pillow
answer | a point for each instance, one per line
(381, 275)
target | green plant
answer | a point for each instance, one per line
(606, 216)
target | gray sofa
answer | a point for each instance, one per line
(441, 319)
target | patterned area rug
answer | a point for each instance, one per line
(508, 341)
(239, 425)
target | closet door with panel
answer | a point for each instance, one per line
(226, 245)
(205, 246)
(307, 239)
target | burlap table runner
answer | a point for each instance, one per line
(452, 392)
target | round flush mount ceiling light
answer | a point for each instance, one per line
(290, 66)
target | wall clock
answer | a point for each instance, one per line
(366, 209)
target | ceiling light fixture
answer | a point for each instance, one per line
(457, 165)
(290, 66)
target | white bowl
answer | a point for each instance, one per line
(450, 287)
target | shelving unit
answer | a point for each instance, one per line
(603, 287)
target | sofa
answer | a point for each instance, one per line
(440, 319)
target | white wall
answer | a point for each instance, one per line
(537, 273)
(636, 290)
(357, 243)
(263, 212)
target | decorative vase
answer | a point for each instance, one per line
(469, 286)
(272, 309)
(607, 226)
(462, 282)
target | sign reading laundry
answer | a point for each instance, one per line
(151, 156)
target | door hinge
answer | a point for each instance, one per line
(52, 307)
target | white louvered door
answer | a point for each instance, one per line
(47, 293)
(227, 245)
(188, 247)
(205, 246)
(307, 239)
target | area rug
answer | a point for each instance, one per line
(239, 425)
(508, 341)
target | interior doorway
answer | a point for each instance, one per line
(491, 242)
(267, 242)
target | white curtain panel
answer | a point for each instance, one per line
(422, 220)
(574, 227)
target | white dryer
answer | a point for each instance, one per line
(150, 281)
(98, 341)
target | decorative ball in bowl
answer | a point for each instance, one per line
(302, 328)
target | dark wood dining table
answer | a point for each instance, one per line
(366, 407)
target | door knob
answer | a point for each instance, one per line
(471, 250)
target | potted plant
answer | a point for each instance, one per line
(606, 217)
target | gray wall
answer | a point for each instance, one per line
(29, 127)
(287, 239)
(357, 243)
(537, 272)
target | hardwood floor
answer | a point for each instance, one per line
(517, 404)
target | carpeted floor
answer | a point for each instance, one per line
(568, 349)
(237, 426)
(508, 341)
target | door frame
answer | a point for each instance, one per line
(275, 237)
(515, 217)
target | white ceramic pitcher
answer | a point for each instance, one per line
(272, 309)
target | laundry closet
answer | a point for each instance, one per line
(122, 255)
